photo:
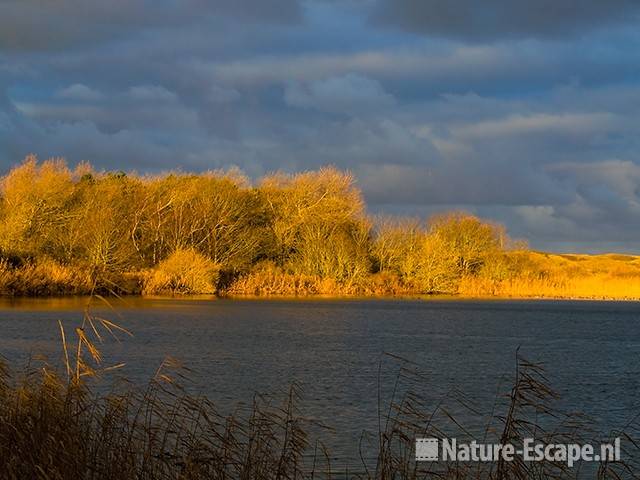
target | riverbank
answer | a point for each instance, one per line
(536, 275)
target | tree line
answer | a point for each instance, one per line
(76, 230)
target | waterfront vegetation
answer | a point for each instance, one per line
(52, 427)
(78, 231)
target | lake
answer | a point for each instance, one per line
(333, 348)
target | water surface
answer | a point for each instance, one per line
(333, 349)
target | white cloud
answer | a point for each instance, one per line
(79, 92)
(583, 123)
(151, 93)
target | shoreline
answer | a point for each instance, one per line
(329, 296)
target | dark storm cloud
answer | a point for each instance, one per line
(32, 25)
(496, 19)
(542, 134)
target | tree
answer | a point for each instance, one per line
(467, 239)
(35, 204)
(217, 213)
(317, 223)
(398, 246)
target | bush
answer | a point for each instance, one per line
(185, 271)
(43, 277)
(266, 278)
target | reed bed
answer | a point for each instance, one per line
(545, 275)
(601, 277)
(43, 278)
(596, 287)
(52, 428)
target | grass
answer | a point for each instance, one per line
(531, 275)
(548, 275)
(268, 279)
(43, 278)
(536, 275)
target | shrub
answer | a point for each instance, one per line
(185, 271)
(43, 277)
(266, 278)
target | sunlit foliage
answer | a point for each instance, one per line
(184, 271)
(78, 230)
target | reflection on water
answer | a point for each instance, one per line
(333, 349)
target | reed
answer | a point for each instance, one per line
(596, 287)
(43, 278)
(602, 277)
(53, 429)
(56, 430)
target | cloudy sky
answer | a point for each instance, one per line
(524, 111)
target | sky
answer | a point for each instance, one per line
(523, 111)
